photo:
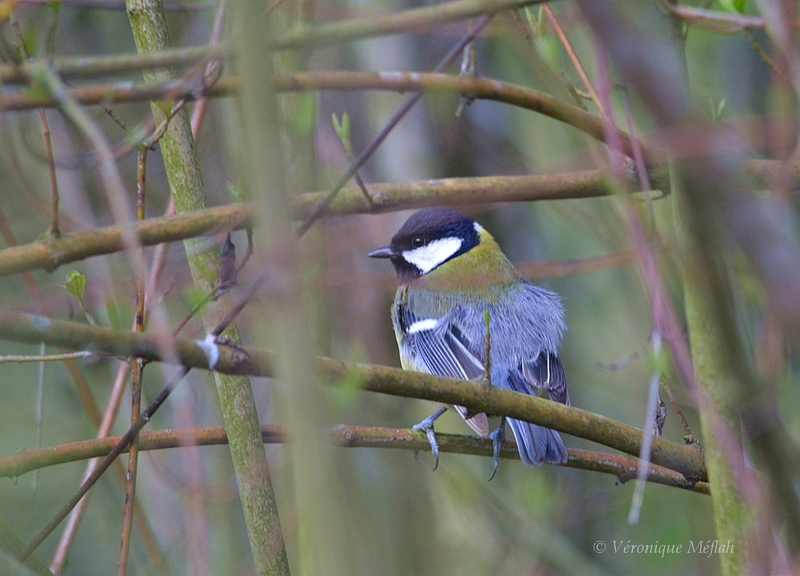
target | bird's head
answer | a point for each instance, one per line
(433, 237)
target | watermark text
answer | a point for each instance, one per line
(706, 548)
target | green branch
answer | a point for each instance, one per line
(467, 86)
(623, 467)
(414, 20)
(237, 403)
(50, 253)
(95, 66)
(688, 460)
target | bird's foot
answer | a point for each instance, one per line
(427, 427)
(498, 437)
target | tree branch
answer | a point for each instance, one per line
(621, 466)
(50, 253)
(687, 460)
(414, 20)
(95, 66)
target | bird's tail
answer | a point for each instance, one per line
(537, 444)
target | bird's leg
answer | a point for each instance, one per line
(498, 437)
(427, 426)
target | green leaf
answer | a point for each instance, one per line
(304, 118)
(76, 284)
(342, 130)
(549, 48)
(537, 23)
(237, 191)
(337, 125)
(717, 110)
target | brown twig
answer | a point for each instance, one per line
(717, 21)
(322, 205)
(573, 57)
(115, 5)
(123, 443)
(46, 137)
(469, 86)
(137, 367)
(98, 66)
(113, 184)
(198, 112)
(622, 466)
(678, 411)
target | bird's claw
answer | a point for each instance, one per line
(498, 437)
(427, 427)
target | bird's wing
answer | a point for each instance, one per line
(545, 371)
(439, 347)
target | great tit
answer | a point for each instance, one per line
(450, 270)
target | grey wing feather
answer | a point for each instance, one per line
(546, 371)
(536, 444)
(444, 351)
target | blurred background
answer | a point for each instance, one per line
(402, 518)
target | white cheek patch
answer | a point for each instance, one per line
(422, 325)
(428, 257)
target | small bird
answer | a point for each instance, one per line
(450, 271)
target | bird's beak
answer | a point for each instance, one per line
(385, 252)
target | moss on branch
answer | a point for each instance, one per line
(688, 460)
(621, 466)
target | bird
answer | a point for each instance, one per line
(451, 273)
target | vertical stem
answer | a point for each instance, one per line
(733, 516)
(239, 413)
(55, 231)
(136, 383)
(322, 515)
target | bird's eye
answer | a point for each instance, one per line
(418, 241)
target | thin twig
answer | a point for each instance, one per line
(103, 429)
(679, 412)
(470, 86)
(109, 172)
(198, 112)
(115, 5)
(123, 443)
(46, 358)
(46, 137)
(415, 20)
(624, 467)
(576, 63)
(137, 367)
(99, 66)
(320, 207)
(51, 170)
(717, 21)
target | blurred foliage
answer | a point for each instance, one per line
(403, 518)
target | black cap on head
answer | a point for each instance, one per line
(421, 229)
(436, 222)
